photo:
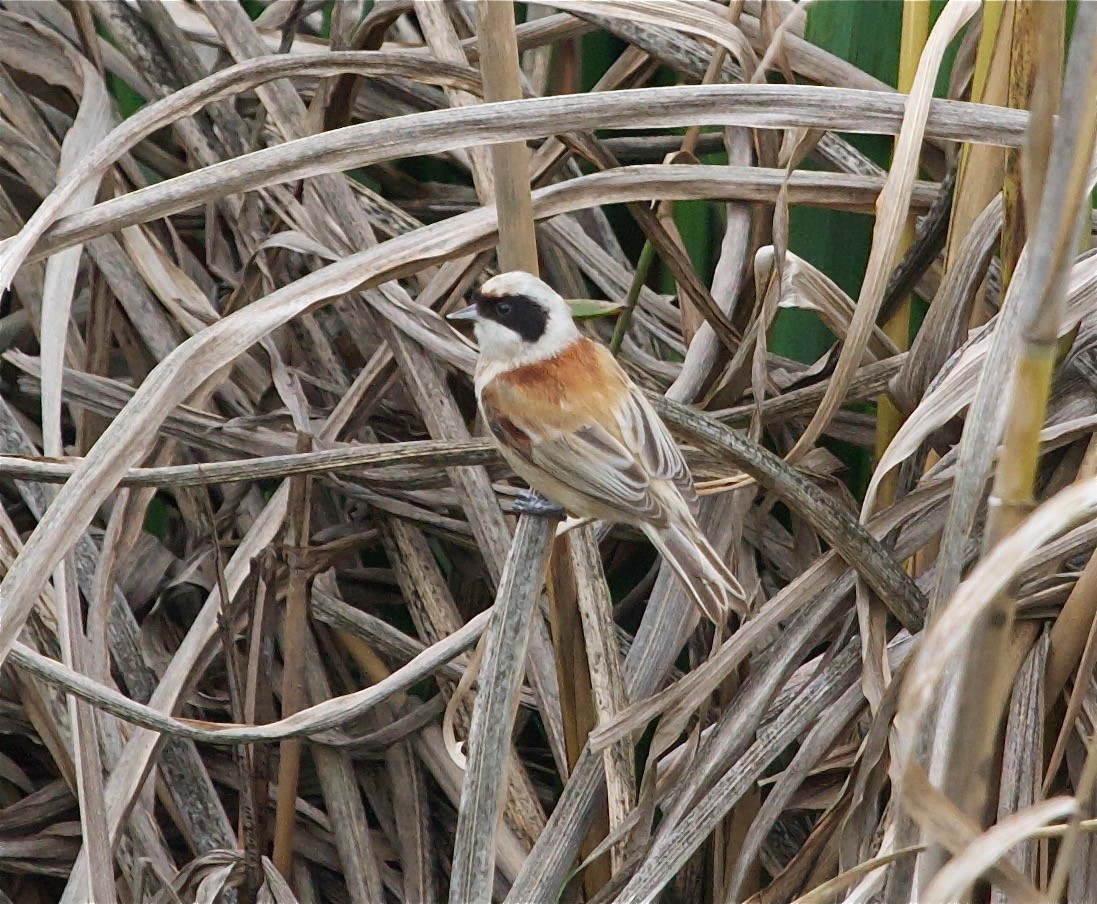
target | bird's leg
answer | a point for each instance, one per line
(530, 503)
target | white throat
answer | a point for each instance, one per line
(502, 349)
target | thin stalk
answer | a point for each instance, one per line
(294, 624)
(1015, 476)
(647, 254)
(987, 676)
(606, 678)
(915, 32)
(981, 166)
(510, 161)
(471, 878)
(576, 696)
(1033, 38)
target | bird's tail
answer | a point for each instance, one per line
(704, 576)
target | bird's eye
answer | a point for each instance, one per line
(503, 308)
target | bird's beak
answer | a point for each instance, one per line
(465, 315)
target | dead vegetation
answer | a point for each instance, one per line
(252, 533)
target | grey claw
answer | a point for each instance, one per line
(531, 503)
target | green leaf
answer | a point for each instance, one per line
(583, 308)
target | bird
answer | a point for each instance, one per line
(572, 424)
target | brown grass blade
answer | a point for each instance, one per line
(606, 677)
(492, 716)
(435, 131)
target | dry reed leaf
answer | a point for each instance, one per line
(1023, 750)
(489, 735)
(804, 286)
(951, 310)
(694, 19)
(960, 873)
(236, 240)
(991, 576)
(606, 676)
(320, 717)
(92, 122)
(425, 452)
(824, 892)
(437, 131)
(892, 212)
(673, 845)
(343, 799)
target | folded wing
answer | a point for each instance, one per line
(607, 445)
(653, 445)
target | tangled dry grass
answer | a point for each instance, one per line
(269, 628)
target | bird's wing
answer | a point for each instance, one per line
(588, 459)
(601, 438)
(593, 462)
(652, 444)
(644, 433)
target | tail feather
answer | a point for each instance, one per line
(704, 576)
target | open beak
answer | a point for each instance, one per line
(465, 315)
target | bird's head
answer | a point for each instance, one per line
(518, 319)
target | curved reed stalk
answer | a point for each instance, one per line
(228, 245)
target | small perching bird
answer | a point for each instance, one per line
(573, 425)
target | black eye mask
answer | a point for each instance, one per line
(519, 313)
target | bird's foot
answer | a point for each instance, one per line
(530, 503)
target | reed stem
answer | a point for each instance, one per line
(915, 32)
(620, 329)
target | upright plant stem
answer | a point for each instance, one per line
(1011, 498)
(1032, 34)
(983, 167)
(1063, 152)
(888, 419)
(294, 625)
(510, 160)
(576, 694)
(620, 329)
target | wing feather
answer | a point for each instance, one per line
(596, 464)
(659, 454)
(600, 438)
(589, 460)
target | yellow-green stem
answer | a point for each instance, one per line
(1011, 496)
(623, 321)
(888, 418)
(987, 671)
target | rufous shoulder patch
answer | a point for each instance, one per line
(579, 386)
(583, 367)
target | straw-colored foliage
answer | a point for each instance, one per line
(270, 627)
